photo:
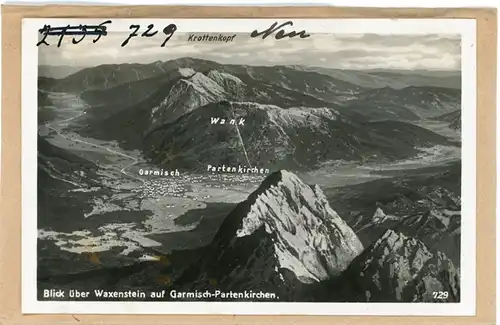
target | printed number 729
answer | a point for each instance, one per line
(440, 294)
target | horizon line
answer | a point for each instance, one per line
(256, 65)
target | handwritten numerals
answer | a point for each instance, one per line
(83, 30)
(45, 32)
(168, 31)
(99, 31)
(103, 30)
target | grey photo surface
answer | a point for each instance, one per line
(323, 169)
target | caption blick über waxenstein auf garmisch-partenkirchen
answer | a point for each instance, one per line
(312, 184)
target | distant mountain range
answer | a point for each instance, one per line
(57, 71)
(409, 103)
(124, 85)
(294, 118)
(109, 75)
(380, 78)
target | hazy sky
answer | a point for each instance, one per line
(346, 51)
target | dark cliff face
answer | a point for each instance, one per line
(282, 238)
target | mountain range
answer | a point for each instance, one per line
(76, 79)
(410, 103)
(277, 138)
(312, 116)
(397, 79)
(332, 86)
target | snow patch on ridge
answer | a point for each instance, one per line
(205, 85)
(186, 72)
(222, 77)
(234, 87)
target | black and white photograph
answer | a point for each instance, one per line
(276, 164)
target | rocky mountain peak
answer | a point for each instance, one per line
(379, 216)
(399, 268)
(310, 239)
(193, 90)
(284, 237)
(393, 242)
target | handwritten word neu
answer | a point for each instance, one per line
(83, 30)
(168, 31)
(281, 33)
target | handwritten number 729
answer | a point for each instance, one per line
(100, 30)
(168, 31)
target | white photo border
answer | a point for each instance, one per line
(467, 305)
